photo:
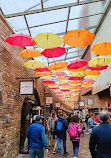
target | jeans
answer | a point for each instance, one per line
(33, 152)
(75, 147)
(59, 146)
(86, 128)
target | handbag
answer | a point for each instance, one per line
(26, 144)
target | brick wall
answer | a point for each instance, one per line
(11, 67)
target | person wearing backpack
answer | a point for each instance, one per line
(61, 126)
(74, 131)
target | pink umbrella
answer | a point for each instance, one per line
(75, 78)
(99, 68)
(48, 81)
(63, 84)
(76, 86)
(54, 88)
(42, 70)
(88, 81)
(59, 73)
(20, 40)
(77, 64)
(65, 90)
(55, 52)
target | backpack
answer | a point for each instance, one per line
(73, 131)
(59, 126)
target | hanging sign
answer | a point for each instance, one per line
(48, 100)
(26, 87)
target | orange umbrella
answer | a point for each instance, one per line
(103, 48)
(43, 73)
(75, 82)
(52, 84)
(27, 53)
(78, 38)
(58, 65)
(78, 70)
(93, 73)
(61, 77)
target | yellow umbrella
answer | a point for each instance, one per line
(103, 48)
(43, 73)
(91, 77)
(27, 53)
(33, 64)
(93, 73)
(87, 86)
(59, 70)
(47, 40)
(77, 74)
(62, 82)
(99, 61)
(46, 77)
(58, 65)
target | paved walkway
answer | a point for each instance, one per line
(83, 152)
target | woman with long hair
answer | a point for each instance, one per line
(75, 130)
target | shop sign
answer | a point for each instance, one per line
(81, 103)
(49, 100)
(26, 87)
(57, 105)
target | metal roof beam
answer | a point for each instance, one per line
(51, 8)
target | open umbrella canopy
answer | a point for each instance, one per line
(33, 64)
(75, 82)
(88, 81)
(54, 52)
(28, 53)
(59, 74)
(58, 65)
(43, 73)
(77, 74)
(99, 68)
(61, 78)
(54, 88)
(62, 82)
(78, 70)
(90, 72)
(87, 86)
(99, 61)
(91, 77)
(42, 69)
(65, 90)
(48, 81)
(20, 40)
(47, 40)
(78, 38)
(77, 64)
(46, 77)
(75, 78)
(103, 48)
(59, 70)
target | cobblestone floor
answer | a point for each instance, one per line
(83, 152)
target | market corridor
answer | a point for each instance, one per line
(83, 153)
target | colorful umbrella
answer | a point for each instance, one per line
(54, 52)
(48, 81)
(65, 90)
(43, 73)
(47, 40)
(46, 77)
(59, 74)
(87, 86)
(77, 74)
(62, 82)
(33, 64)
(28, 53)
(90, 72)
(77, 64)
(59, 70)
(78, 70)
(20, 40)
(75, 78)
(88, 81)
(61, 78)
(91, 77)
(99, 61)
(99, 68)
(54, 88)
(42, 70)
(103, 48)
(78, 38)
(58, 65)
(75, 82)
(52, 84)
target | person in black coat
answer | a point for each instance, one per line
(100, 139)
(61, 135)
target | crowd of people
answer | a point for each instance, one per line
(98, 127)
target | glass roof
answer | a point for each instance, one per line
(57, 16)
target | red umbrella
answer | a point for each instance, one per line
(77, 64)
(54, 88)
(65, 90)
(55, 52)
(48, 81)
(99, 68)
(42, 70)
(75, 78)
(20, 40)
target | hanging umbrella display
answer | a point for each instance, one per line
(75, 82)
(43, 73)
(42, 69)
(47, 40)
(77, 64)
(28, 53)
(62, 82)
(33, 64)
(91, 77)
(20, 40)
(61, 78)
(89, 81)
(59, 70)
(99, 68)
(99, 61)
(59, 74)
(103, 48)
(54, 88)
(75, 78)
(77, 74)
(78, 38)
(54, 52)
(90, 72)
(58, 65)
(65, 90)
(78, 70)
(46, 77)
(87, 86)
(52, 84)
(48, 81)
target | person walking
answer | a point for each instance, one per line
(100, 139)
(91, 123)
(51, 130)
(75, 130)
(96, 118)
(61, 126)
(37, 138)
(86, 124)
